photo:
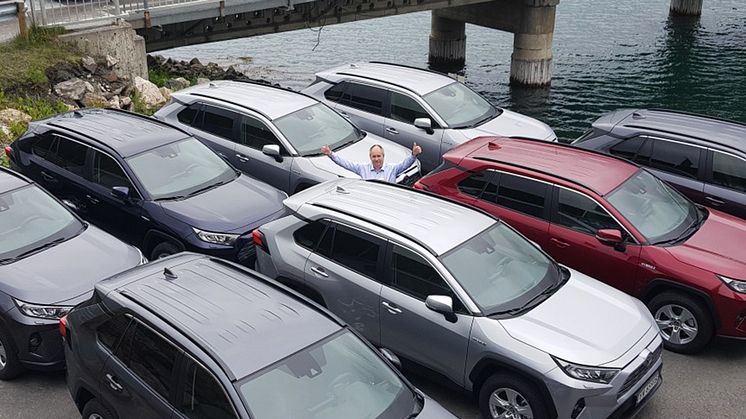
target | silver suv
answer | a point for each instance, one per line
(406, 104)
(462, 293)
(274, 134)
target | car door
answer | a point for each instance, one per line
(345, 268)
(138, 379)
(200, 395)
(725, 187)
(412, 330)
(576, 218)
(248, 157)
(364, 105)
(217, 128)
(399, 128)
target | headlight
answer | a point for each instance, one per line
(585, 373)
(734, 284)
(42, 312)
(217, 238)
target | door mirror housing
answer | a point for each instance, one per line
(424, 123)
(610, 236)
(121, 192)
(440, 303)
(272, 150)
(391, 357)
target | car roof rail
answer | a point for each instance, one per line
(378, 80)
(411, 67)
(230, 102)
(679, 112)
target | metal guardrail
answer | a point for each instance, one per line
(73, 13)
(8, 10)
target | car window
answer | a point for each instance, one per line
(256, 135)
(218, 122)
(110, 332)
(580, 213)
(679, 159)
(474, 184)
(150, 357)
(42, 145)
(308, 235)
(108, 173)
(203, 397)
(366, 98)
(459, 106)
(406, 109)
(356, 251)
(729, 171)
(310, 128)
(413, 275)
(325, 245)
(335, 93)
(187, 115)
(523, 195)
(627, 149)
(67, 154)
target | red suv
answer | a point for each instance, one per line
(614, 221)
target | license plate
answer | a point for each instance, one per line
(648, 387)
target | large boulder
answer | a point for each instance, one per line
(8, 118)
(89, 64)
(151, 96)
(94, 100)
(177, 84)
(72, 89)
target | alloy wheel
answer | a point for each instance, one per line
(95, 416)
(506, 403)
(677, 324)
(3, 355)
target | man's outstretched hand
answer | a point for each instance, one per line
(325, 150)
(416, 149)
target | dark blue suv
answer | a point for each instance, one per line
(147, 182)
(41, 243)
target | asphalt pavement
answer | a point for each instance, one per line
(711, 384)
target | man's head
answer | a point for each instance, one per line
(376, 156)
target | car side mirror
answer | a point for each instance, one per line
(121, 192)
(440, 303)
(424, 123)
(391, 357)
(272, 150)
(611, 237)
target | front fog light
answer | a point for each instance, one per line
(586, 373)
(42, 311)
(216, 238)
(734, 284)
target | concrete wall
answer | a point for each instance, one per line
(118, 40)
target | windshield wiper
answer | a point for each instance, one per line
(206, 188)
(171, 198)
(527, 306)
(691, 229)
(47, 245)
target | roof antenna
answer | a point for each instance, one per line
(342, 190)
(637, 115)
(168, 274)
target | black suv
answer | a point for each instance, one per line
(40, 279)
(194, 337)
(148, 182)
(703, 157)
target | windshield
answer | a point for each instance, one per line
(500, 270)
(310, 128)
(656, 210)
(459, 106)
(179, 169)
(31, 219)
(339, 377)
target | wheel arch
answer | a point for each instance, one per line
(154, 237)
(661, 285)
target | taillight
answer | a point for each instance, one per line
(8, 151)
(421, 186)
(259, 240)
(63, 326)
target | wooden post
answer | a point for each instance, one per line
(21, 14)
(686, 7)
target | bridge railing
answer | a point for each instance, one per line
(81, 13)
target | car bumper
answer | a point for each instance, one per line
(627, 393)
(38, 341)
(731, 308)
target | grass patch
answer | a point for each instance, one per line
(160, 77)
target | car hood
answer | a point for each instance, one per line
(433, 410)
(233, 207)
(718, 246)
(359, 152)
(511, 124)
(65, 274)
(585, 322)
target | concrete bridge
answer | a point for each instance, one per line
(167, 24)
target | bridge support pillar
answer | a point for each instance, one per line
(686, 7)
(531, 62)
(447, 43)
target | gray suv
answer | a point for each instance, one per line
(406, 104)
(462, 293)
(274, 134)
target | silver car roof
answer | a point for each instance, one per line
(419, 81)
(273, 102)
(436, 223)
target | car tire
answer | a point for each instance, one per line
(10, 365)
(685, 323)
(162, 250)
(511, 392)
(95, 410)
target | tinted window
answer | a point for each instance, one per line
(107, 173)
(521, 194)
(366, 98)
(151, 358)
(218, 122)
(310, 128)
(474, 184)
(325, 246)
(413, 275)
(112, 330)
(256, 135)
(675, 158)
(406, 109)
(581, 213)
(67, 154)
(729, 171)
(335, 93)
(186, 116)
(627, 148)
(203, 396)
(41, 146)
(356, 252)
(308, 235)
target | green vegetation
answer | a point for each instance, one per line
(160, 77)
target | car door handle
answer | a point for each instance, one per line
(391, 307)
(319, 271)
(49, 178)
(559, 243)
(242, 158)
(113, 384)
(344, 114)
(714, 201)
(92, 199)
(392, 130)
(223, 155)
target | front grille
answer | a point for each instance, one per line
(247, 252)
(640, 371)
